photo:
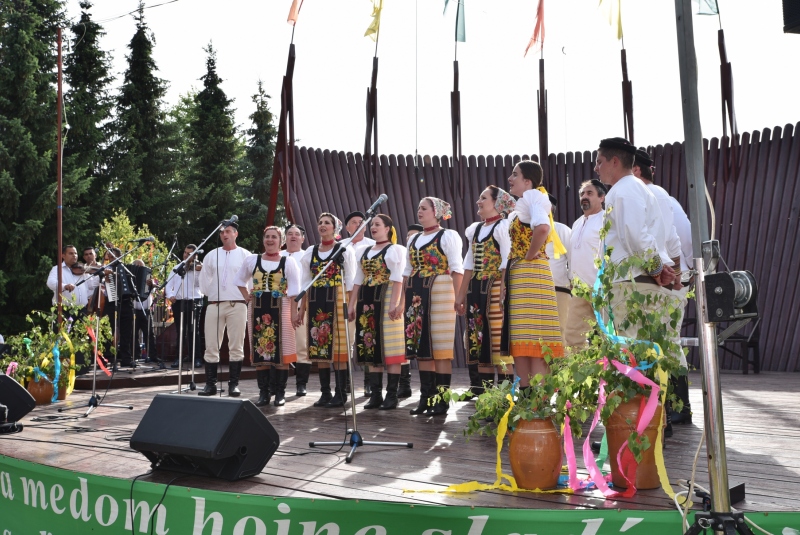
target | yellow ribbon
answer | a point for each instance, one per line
(71, 385)
(659, 452)
(472, 486)
(558, 247)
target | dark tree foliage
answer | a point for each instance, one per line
(27, 154)
(88, 108)
(142, 164)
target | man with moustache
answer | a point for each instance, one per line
(583, 249)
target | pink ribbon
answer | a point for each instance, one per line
(11, 368)
(98, 356)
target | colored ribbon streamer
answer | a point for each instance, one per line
(71, 384)
(12, 368)
(375, 26)
(97, 355)
(558, 247)
(56, 371)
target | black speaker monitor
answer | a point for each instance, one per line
(791, 16)
(18, 400)
(220, 437)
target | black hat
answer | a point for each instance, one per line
(300, 227)
(553, 199)
(643, 159)
(415, 226)
(351, 215)
(618, 143)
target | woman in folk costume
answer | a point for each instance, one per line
(327, 339)
(295, 236)
(431, 278)
(531, 328)
(378, 313)
(276, 281)
(480, 296)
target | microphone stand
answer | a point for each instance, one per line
(93, 402)
(356, 439)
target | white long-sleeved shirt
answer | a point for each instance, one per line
(80, 294)
(673, 242)
(218, 276)
(349, 266)
(533, 208)
(451, 244)
(500, 234)
(684, 229)
(395, 261)
(636, 223)
(184, 288)
(559, 267)
(585, 246)
(291, 273)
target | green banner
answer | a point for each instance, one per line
(41, 500)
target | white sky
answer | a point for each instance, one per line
(498, 86)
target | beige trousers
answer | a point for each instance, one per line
(564, 301)
(580, 312)
(219, 317)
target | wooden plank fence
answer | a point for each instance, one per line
(756, 215)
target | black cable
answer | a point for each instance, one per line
(131, 502)
(152, 514)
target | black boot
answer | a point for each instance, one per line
(427, 387)
(442, 384)
(367, 387)
(282, 376)
(487, 380)
(390, 401)
(376, 387)
(301, 373)
(234, 370)
(262, 379)
(681, 389)
(347, 384)
(668, 426)
(324, 386)
(211, 380)
(475, 385)
(404, 386)
(339, 395)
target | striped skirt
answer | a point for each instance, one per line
(301, 341)
(533, 321)
(429, 309)
(442, 318)
(392, 333)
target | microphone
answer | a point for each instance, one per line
(143, 240)
(227, 222)
(379, 201)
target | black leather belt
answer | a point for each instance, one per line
(563, 290)
(646, 279)
(229, 301)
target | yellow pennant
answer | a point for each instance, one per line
(612, 12)
(375, 26)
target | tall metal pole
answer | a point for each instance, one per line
(59, 183)
(693, 151)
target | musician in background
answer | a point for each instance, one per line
(90, 259)
(71, 294)
(142, 323)
(186, 299)
(119, 309)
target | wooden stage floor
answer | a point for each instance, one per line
(762, 434)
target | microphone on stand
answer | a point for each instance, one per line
(143, 240)
(229, 222)
(379, 201)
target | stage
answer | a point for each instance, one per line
(762, 430)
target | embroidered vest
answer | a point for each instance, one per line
(429, 260)
(333, 277)
(485, 255)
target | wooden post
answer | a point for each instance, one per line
(59, 181)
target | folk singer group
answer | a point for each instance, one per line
(513, 287)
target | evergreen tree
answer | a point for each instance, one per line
(88, 112)
(260, 155)
(27, 155)
(215, 150)
(142, 164)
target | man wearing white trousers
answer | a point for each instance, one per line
(226, 309)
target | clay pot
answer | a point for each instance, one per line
(62, 393)
(535, 454)
(42, 391)
(618, 430)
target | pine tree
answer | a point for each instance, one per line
(260, 154)
(142, 164)
(88, 112)
(27, 155)
(215, 150)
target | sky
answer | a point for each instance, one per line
(498, 85)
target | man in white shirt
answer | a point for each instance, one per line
(295, 238)
(226, 309)
(583, 249)
(71, 293)
(559, 267)
(637, 230)
(186, 299)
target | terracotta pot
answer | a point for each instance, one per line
(42, 391)
(535, 454)
(618, 430)
(62, 393)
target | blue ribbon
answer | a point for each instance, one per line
(57, 371)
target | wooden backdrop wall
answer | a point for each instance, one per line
(756, 212)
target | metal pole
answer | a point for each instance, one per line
(693, 150)
(59, 207)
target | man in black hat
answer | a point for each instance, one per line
(226, 311)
